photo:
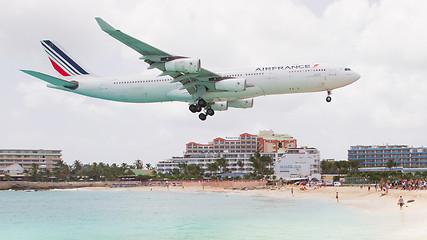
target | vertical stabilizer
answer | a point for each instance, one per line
(61, 61)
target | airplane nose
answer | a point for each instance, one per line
(356, 76)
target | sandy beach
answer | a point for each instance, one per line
(408, 223)
(354, 196)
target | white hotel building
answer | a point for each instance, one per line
(44, 159)
(232, 149)
(281, 148)
(203, 159)
(298, 163)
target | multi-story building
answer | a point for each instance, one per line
(45, 159)
(298, 163)
(203, 160)
(378, 156)
(233, 149)
(265, 141)
(274, 142)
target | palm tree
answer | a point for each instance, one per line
(138, 164)
(212, 167)
(261, 164)
(354, 164)
(77, 166)
(222, 163)
(175, 172)
(94, 171)
(390, 164)
(34, 172)
(241, 165)
(124, 166)
(148, 166)
(45, 174)
(62, 170)
(328, 167)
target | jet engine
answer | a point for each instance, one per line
(185, 65)
(219, 106)
(244, 103)
(231, 85)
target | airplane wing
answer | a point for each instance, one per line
(52, 80)
(191, 79)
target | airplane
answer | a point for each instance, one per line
(184, 80)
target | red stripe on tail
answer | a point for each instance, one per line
(59, 69)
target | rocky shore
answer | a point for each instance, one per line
(22, 185)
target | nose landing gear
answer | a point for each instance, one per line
(328, 98)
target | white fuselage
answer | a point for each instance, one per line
(259, 81)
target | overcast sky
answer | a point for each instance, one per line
(384, 41)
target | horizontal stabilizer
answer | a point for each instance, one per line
(52, 80)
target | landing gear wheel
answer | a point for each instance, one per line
(202, 116)
(201, 102)
(210, 112)
(328, 99)
(198, 108)
(193, 108)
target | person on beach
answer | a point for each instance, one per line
(336, 196)
(292, 192)
(400, 202)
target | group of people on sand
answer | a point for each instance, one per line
(405, 184)
(400, 202)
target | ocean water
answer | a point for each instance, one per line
(124, 214)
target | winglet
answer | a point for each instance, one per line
(104, 25)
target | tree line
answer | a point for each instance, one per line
(339, 167)
(351, 171)
(87, 172)
(262, 167)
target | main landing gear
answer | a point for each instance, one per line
(198, 106)
(328, 98)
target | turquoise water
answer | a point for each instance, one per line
(122, 214)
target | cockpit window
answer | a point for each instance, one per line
(347, 69)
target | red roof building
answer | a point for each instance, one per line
(265, 141)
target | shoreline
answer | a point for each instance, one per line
(352, 196)
(25, 185)
(348, 195)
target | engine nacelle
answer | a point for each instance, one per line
(219, 106)
(185, 65)
(244, 103)
(231, 85)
